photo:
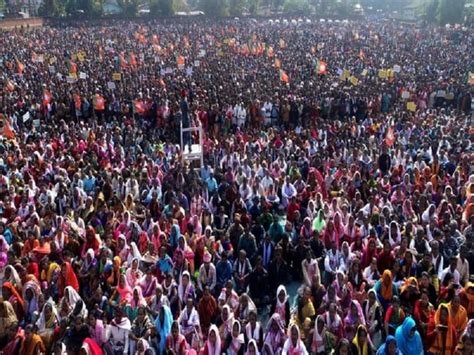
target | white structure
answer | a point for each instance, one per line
(195, 151)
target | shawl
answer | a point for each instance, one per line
(216, 348)
(364, 349)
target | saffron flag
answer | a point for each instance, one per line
(284, 76)
(180, 60)
(99, 103)
(72, 67)
(77, 101)
(47, 97)
(9, 86)
(5, 128)
(322, 67)
(20, 67)
(471, 78)
(139, 107)
(390, 137)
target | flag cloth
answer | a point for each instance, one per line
(411, 106)
(99, 102)
(180, 60)
(471, 78)
(6, 130)
(77, 101)
(46, 97)
(277, 63)
(123, 62)
(390, 137)
(322, 67)
(72, 67)
(270, 52)
(139, 107)
(9, 86)
(20, 67)
(282, 43)
(284, 77)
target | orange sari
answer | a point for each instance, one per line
(32, 346)
(441, 340)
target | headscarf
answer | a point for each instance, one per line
(254, 343)
(72, 298)
(70, 279)
(182, 291)
(14, 277)
(364, 350)
(214, 350)
(371, 310)
(237, 341)
(9, 318)
(141, 301)
(8, 285)
(318, 341)
(386, 291)
(124, 291)
(273, 337)
(42, 323)
(383, 350)
(406, 343)
(349, 319)
(319, 222)
(280, 307)
(32, 305)
(165, 328)
(450, 333)
(227, 324)
(299, 348)
(91, 347)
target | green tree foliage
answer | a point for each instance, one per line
(431, 13)
(214, 8)
(296, 7)
(451, 11)
(129, 7)
(162, 7)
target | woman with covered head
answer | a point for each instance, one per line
(354, 318)
(389, 347)
(163, 325)
(293, 344)
(385, 289)
(322, 341)
(235, 340)
(47, 322)
(175, 341)
(7, 319)
(361, 343)
(213, 345)
(441, 337)
(275, 336)
(408, 339)
(282, 305)
(189, 322)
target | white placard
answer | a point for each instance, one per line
(111, 85)
(82, 75)
(26, 116)
(397, 68)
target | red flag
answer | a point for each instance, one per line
(123, 62)
(180, 60)
(133, 60)
(72, 67)
(20, 67)
(77, 101)
(322, 67)
(139, 107)
(284, 77)
(6, 130)
(46, 97)
(9, 86)
(390, 137)
(99, 103)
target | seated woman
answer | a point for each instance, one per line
(176, 342)
(275, 336)
(305, 313)
(322, 342)
(47, 322)
(408, 338)
(458, 314)
(423, 311)
(361, 344)
(394, 316)
(373, 317)
(409, 294)
(254, 329)
(282, 305)
(294, 344)
(235, 340)
(467, 299)
(188, 322)
(441, 336)
(213, 343)
(385, 289)
(354, 318)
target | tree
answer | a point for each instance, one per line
(236, 7)
(214, 8)
(451, 11)
(296, 7)
(129, 7)
(431, 13)
(162, 8)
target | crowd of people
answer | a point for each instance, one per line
(337, 163)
